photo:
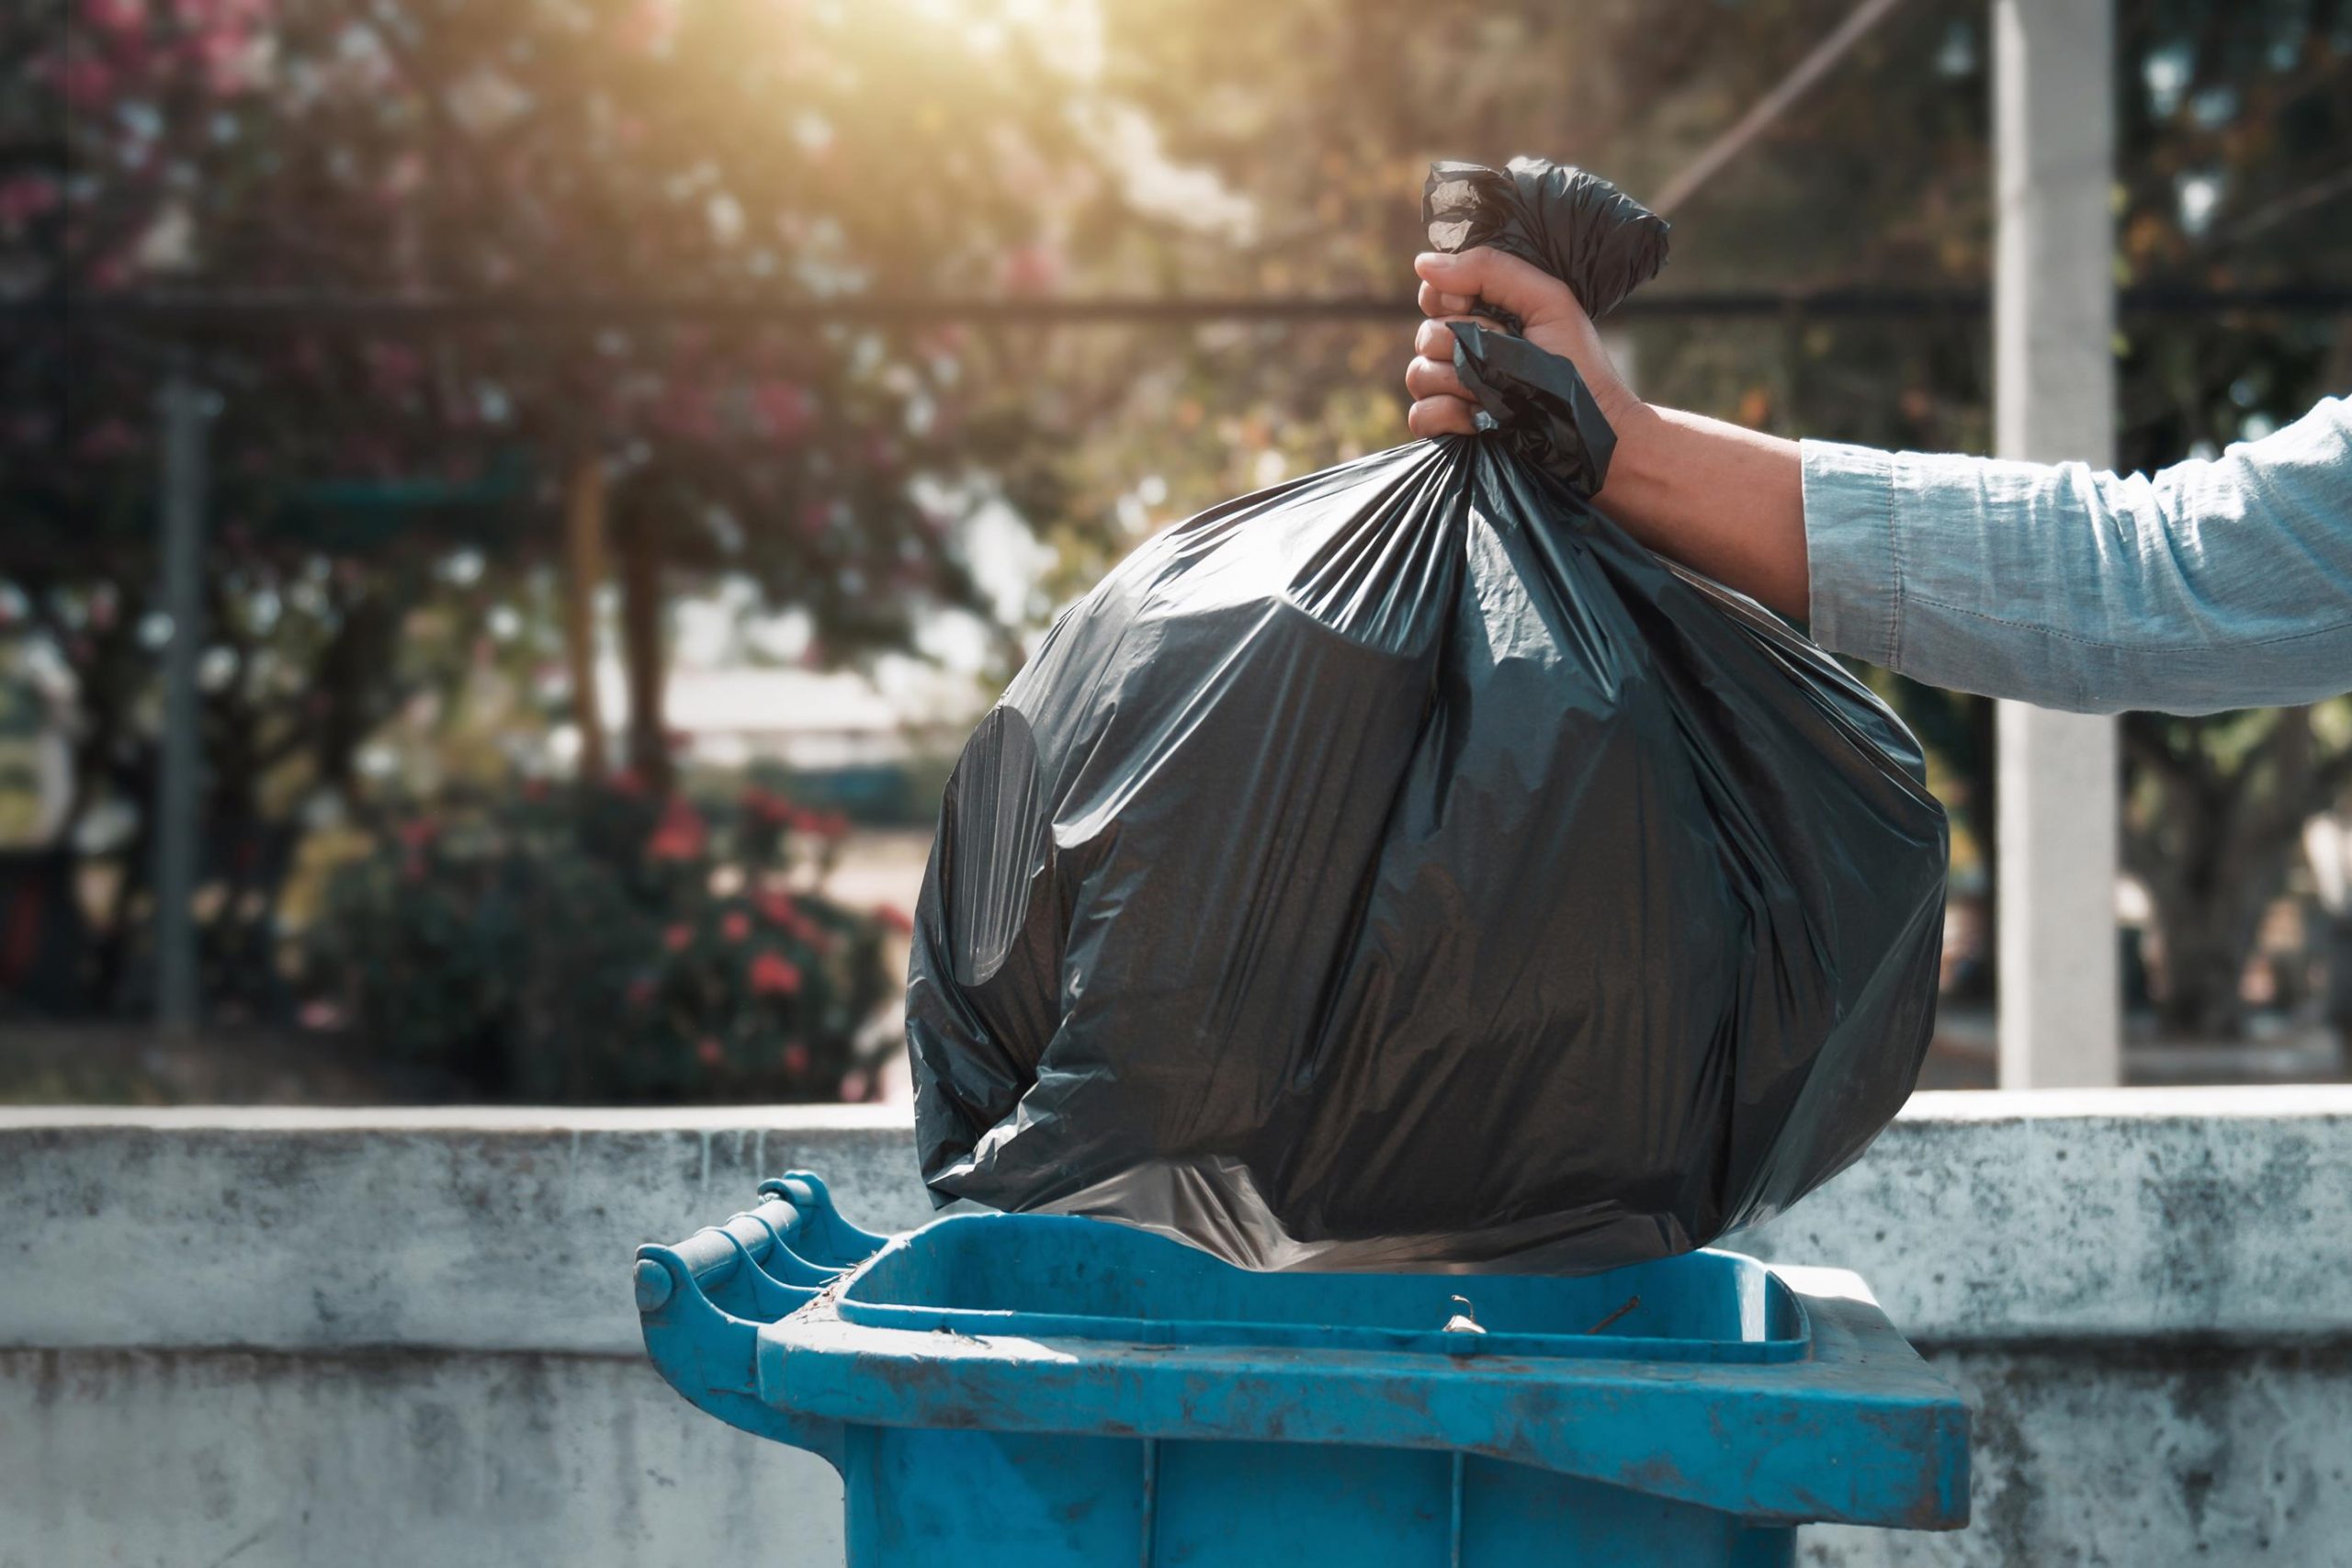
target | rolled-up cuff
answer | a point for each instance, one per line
(1854, 554)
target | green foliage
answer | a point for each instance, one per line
(601, 944)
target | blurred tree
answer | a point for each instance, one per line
(2233, 120)
(752, 150)
(725, 152)
(2215, 819)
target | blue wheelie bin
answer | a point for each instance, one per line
(1008, 1391)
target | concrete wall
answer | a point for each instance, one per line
(283, 1338)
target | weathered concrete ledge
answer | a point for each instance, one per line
(377, 1338)
(2218, 1216)
(2213, 1215)
(476, 1229)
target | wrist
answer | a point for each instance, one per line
(1637, 428)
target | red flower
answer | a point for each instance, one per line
(736, 926)
(393, 365)
(26, 197)
(677, 936)
(795, 1058)
(768, 805)
(772, 974)
(640, 990)
(681, 834)
(776, 908)
(786, 408)
(629, 782)
(415, 837)
(708, 1052)
(896, 919)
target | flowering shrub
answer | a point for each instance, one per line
(599, 944)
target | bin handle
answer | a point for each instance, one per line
(702, 1302)
(779, 1262)
(824, 1236)
(711, 1356)
(712, 1257)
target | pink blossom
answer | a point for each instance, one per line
(785, 408)
(1032, 268)
(396, 365)
(226, 58)
(27, 196)
(85, 83)
(115, 16)
(651, 26)
(795, 1058)
(708, 1052)
(686, 411)
(109, 439)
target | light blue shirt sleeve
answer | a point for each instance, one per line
(2216, 583)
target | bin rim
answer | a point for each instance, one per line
(1775, 1327)
(1858, 1431)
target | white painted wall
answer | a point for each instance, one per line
(269, 1338)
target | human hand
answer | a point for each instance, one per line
(1550, 318)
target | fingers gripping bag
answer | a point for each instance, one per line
(1402, 868)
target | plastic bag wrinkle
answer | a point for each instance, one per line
(1419, 873)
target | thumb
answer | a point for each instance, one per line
(1499, 280)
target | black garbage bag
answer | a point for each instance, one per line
(1401, 867)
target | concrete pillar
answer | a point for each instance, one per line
(184, 409)
(2053, 326)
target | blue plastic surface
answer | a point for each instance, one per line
(1051, 1392)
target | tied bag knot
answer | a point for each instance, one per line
(1539, 403)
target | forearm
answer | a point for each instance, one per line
(1724, 501)
(2211, 584)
